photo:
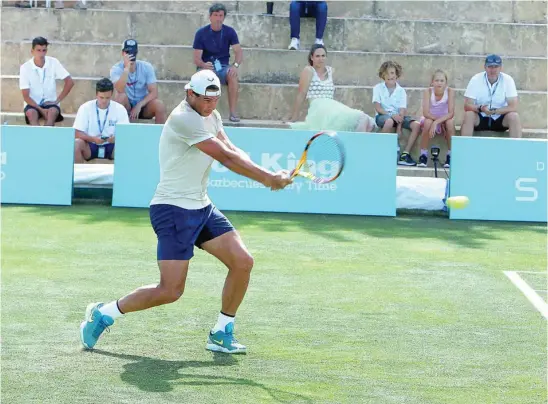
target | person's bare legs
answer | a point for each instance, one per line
(425, 136)
(415, 129)
(155, 109)
(450, 131)
(231, 251)
(512, 122)
(82, 151)
(471, 119)
(33, 116)
(53, 113)
(121, 98)
(171, 287)
(233, 87)
(388, 126)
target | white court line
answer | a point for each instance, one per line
(529, 293)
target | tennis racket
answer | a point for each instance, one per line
(322, 160)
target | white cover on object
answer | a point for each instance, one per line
(93, 175)
(420, 193)
(411, 192)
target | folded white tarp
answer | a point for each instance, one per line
(420, 193)
(93, 175)
(411, 192)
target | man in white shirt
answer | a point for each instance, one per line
(183, 216)
(37, 82)
(95, 124)
(491, 101)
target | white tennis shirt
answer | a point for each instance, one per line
(184, 169)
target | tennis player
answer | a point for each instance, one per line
(183, 216)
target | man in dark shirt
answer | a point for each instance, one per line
(212, 51)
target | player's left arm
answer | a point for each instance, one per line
(221, 135)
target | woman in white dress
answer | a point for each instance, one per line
(325, 113)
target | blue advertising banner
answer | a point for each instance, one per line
(505, 179)
(37, 165)
(366, 187)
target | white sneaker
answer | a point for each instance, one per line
(294, 45)
(318, 41)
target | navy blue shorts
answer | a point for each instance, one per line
(488, 123)
(59, 118)
(380, 119)
(179, 230)
(109, 149)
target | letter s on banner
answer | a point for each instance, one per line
(533, 193)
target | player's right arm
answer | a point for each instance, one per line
(233, 160)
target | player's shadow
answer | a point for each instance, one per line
(160, 376)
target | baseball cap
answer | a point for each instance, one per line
(203, 79)
(130, 46)
(493, 60)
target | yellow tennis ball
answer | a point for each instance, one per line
(457, 202)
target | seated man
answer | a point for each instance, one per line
(212, 51)
(95, 124)
(135, 84)
(37, 81)
(491, 101)
(298, 9)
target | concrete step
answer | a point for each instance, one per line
(272, 101)
(263, 65)
(428, 172)
(18, 118)
(355, 34)
(465, 11)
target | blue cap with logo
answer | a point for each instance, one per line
(130, 46)
(493, 60)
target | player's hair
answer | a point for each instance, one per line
(217, 7)
(314, 48)
(39, 41)
(387, 65)
(104, 85)
(439, 71)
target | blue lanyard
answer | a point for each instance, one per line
(492, 93)
(42, 81)
(101, 127)
(43, 75)
(215, 42)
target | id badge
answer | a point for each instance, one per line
(217, 65)
(101, 152)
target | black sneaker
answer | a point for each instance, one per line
(406, 160)
(423, 161)
(447, 163)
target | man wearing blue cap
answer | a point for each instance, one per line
(135, 84)
(491, 101)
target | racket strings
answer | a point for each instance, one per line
(325, 157)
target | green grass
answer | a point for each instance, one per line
(340, 310)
